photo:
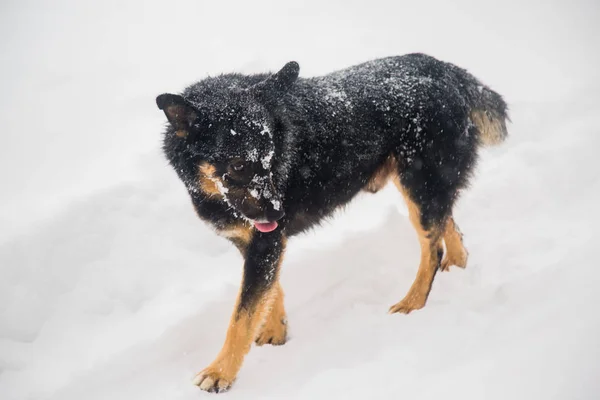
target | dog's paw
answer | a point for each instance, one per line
(274, 332)
(214, 380)
(408, 304)
(457, 257)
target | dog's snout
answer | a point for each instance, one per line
(275, 215)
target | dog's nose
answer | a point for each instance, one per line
(274, 215)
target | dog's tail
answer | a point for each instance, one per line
(488, 110)
(489, 113)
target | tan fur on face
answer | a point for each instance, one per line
(208, 180)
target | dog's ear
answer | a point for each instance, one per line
(178, 110)
(279, 82)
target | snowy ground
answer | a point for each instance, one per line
(112, 289)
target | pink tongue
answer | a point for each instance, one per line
(265, 227)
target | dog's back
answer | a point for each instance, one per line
(422, 112)
(414, 88)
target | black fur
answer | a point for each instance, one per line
(309, 145)
(260, 269)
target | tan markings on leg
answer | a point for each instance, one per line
(242, 331)
(208, 181)
(274, 330)
(456, 254)
(430, 242)
(221, 373)
(381, 177)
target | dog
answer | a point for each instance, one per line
(267, 156)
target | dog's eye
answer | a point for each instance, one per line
(237, 166)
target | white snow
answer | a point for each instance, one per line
(276, 204)
(112, 288)
(252, 155)
(265, 129)
(222, 189)
(254, 193)
(266, 160)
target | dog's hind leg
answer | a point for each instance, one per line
(274, 329)
(456, 254)
(430, 234)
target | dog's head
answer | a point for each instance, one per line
(221, 141)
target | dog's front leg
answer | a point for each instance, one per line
(261, 272)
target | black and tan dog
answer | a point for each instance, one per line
(267, 156)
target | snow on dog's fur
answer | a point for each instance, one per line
(267, 156)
